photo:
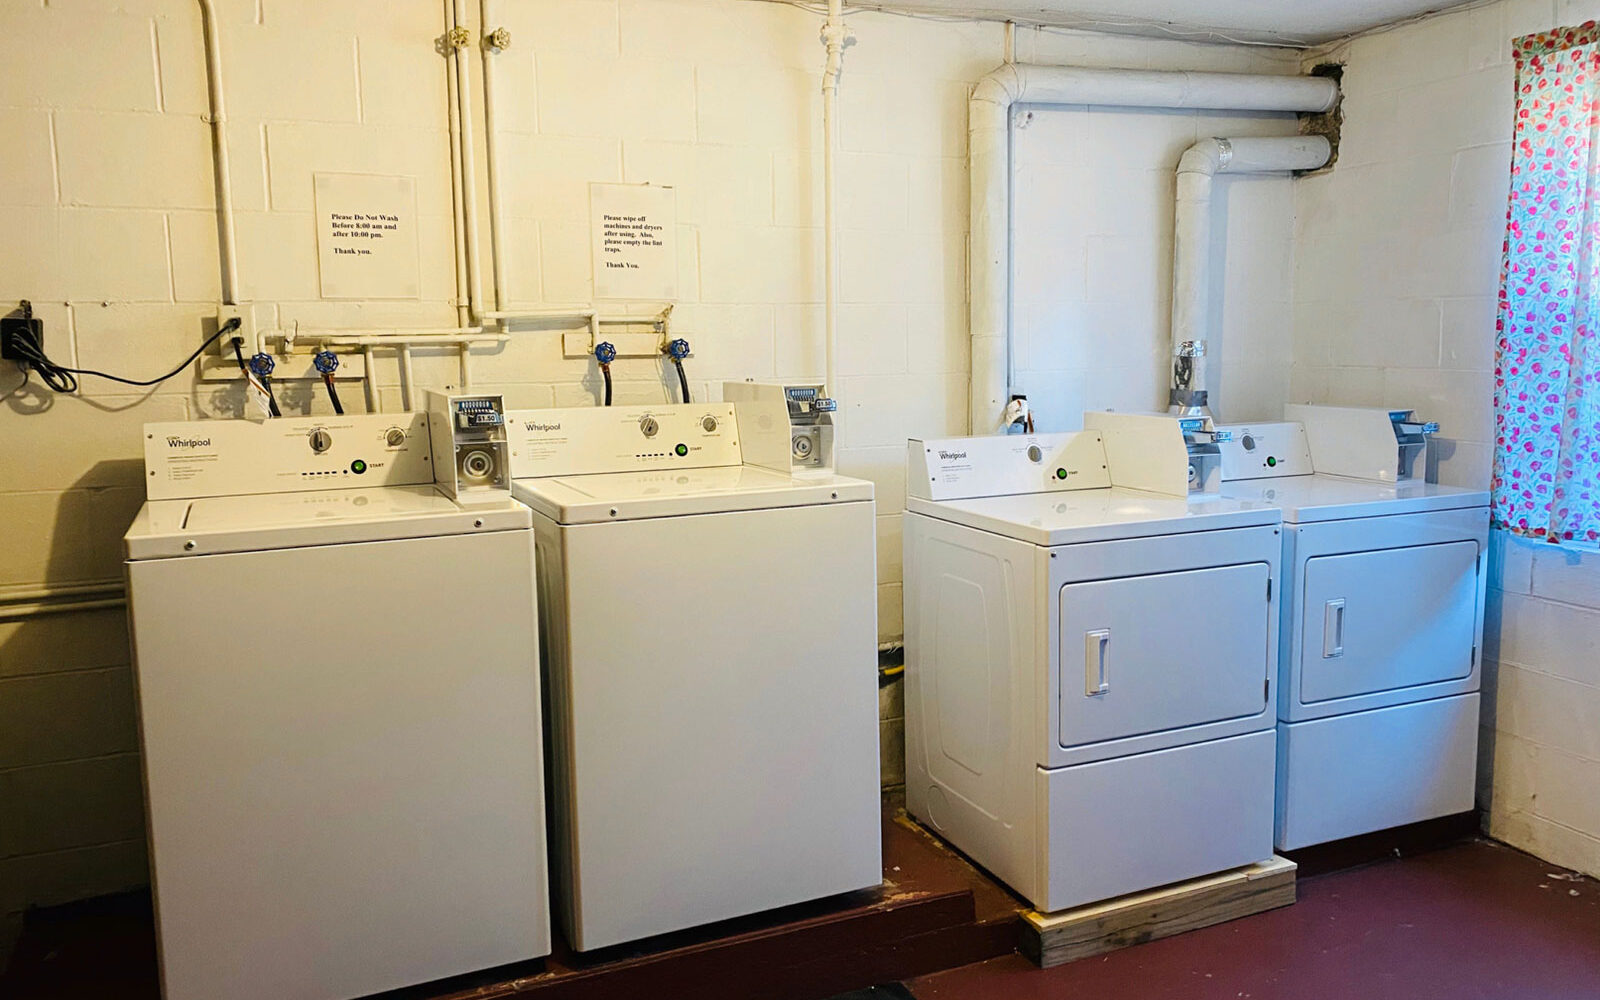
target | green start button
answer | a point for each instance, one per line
(1061, 473)
(681, 450)
(1271, 462)
(358, 467)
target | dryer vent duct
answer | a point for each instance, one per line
(1191, 244)
(989, 150)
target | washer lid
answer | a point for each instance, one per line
(623, 496)
(1096, 515)
(166, 528)
(1305, 499)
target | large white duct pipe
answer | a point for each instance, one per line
(1191, 242)
(989, 168)
(835, 36)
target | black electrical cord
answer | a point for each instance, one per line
(683, 380)
(62, 379)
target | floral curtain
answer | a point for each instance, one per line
(1547, 365)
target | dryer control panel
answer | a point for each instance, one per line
(1004, 465)
(223, 458)
(594, 439)
(1264, 451)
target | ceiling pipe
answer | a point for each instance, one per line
(989, 170)
(1191, 244)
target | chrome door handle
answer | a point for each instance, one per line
(1094, 662)
(1333, 629)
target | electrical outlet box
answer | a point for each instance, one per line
(247, 328)
(13, 328)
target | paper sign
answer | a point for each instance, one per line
(634, 232)
(367, 236)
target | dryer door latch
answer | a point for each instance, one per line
(1094, 662)
(1333, 629)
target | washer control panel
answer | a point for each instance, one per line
(1264, 451)
(595, 439)
(220, 458)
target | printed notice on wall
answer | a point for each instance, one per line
(367, 236)
(634, 230)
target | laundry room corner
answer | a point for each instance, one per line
(1398, 255)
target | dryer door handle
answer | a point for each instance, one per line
(1333, 629)
(1094, 662)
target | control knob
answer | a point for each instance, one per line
(648, 426)
(395, 437)
(709, 423)
(321, 440)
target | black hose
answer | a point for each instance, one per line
(333, 395)
(605, 373)
(683, 380)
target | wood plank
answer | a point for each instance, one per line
(1054, 938)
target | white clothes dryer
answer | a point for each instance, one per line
(1089, 670)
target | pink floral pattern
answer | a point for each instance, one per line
(1547, 362)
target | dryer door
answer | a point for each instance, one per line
(1387, 619)
(1144, 654)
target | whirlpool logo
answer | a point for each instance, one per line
(534, 425)
(952, 456)
(183, 442)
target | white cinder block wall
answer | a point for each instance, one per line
(105, 190)
(1396, 274)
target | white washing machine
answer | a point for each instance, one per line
(339, 710)
(1088, 669)
(710, 649)
(1382, 622)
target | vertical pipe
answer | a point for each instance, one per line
(453, 106)
(491, 156)
(369, 385)
(408, 378)
(469, 166)
(834, 35)
(228, 247)
(466, 365)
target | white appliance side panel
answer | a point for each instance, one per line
(555, 674)
(972, 690)
(723, 709)
(1355, 441)
(1352, 774)
(1124, 675)
(1388, 619)
(1070, 564)
(352, 801)
(1134, 823)
(1145, 451)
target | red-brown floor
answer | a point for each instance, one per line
(1476, 921)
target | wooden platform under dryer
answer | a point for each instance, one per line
(1056, 938)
